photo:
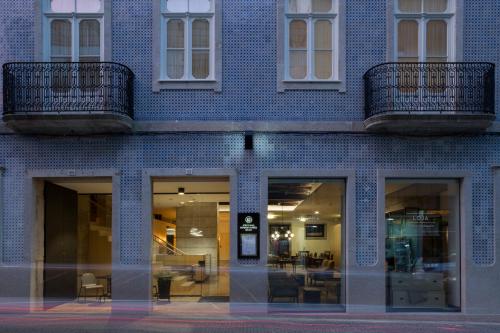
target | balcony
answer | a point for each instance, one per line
(430, 98)
(68, 98)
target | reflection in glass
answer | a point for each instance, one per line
(435, 6)
(309, 6)
(305, 258)
(422, 247)
(62, 6)
(323, 49)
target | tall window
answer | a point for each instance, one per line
(311, 47)
(187, 40)
(425, 30)
(73, 30)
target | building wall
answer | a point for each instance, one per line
(249, 89)
(249, 93)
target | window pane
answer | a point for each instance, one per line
(323, 35)
(200, 64)
(321, 6)
(88, 6)
(199, 6)
(437, 39)
(62, 6)
(423, 244)
(90, 38)
(175, 64)
(298, 34)
(323, 64)
(201, 33)
(410, 6)
(298, 64)
(60, 32)
(175, 34)
(435, 6)
(177, 6)
(305, 243)
(299, 6)
(407, 39)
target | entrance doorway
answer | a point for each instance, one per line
(74, 246)
(190, 239)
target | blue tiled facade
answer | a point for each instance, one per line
(249, 94)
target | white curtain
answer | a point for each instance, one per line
(408, 40)
(437, 41)
(323, 49)
(201, 49)
(298, 52)
(175, 49)
(60, 33)
(435, 6)
(410, 6)
(90, 40)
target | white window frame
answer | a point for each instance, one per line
(43, 12)
(161, 16)
(422, 18)
(188, 19)
(338, 78)
(310, 20)
(75, 19)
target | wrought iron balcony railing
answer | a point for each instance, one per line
(67, 88)
(430, 88)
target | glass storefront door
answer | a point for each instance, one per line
(422, 247)
(305, 241)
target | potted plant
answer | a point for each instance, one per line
(164, 279)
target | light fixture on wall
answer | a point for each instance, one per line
(180, 191)
(248, 141)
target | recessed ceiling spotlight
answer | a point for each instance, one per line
(316, 212)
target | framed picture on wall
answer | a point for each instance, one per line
(315, 231)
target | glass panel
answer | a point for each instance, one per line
(88, 6)
(201, 33)
(175, 34)
(407, 39)
(62, 6)
(177, 6)
(200, 64)
(60, 32)
(199, 6)
(323, 35)
(298, 34)
(298, 64)
(306, 256)
(323, 64)
(90, 38)
(422, 247)
(321, 6)
(410, 6)
(175, 64)
(437, 38)
(299, 6)
(435, 6)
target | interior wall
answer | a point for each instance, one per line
(202, 216)
(223, 236)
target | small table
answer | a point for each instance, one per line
(312, 295)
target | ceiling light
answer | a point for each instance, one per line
(181, 191)
(316, 212)
(302, 219)
(280, 208)
(271, 216)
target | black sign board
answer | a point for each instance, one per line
(248, 235)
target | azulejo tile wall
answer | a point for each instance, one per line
(249, 59)
(363, 153)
